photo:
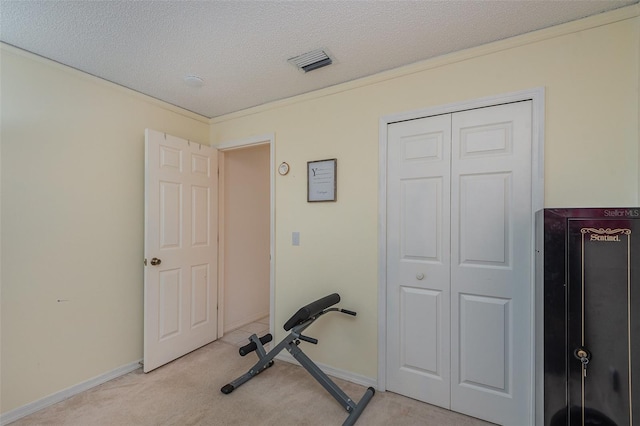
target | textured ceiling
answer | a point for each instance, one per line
(240, 48)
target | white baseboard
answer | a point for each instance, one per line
(32, 407)
(333, 372)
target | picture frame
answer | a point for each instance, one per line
(321, 180)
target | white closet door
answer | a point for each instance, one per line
(491, 254)
(418, 247)
(459, 252)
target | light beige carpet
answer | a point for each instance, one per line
(187, 392)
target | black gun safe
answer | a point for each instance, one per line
(588, 339)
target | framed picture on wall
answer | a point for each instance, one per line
(321, 180)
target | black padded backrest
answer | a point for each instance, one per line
(311, 310)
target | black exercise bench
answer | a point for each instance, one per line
(297, 324)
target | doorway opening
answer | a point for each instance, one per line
(246, 228)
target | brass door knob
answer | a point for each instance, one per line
(155, 261)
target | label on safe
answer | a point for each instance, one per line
(605, 234)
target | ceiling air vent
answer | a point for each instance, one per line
(311, 60)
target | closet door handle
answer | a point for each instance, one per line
(420, 276)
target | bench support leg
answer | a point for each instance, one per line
(343, 399)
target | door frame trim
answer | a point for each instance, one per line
(223, 147)
(537, 96)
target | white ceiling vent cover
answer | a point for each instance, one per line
(311, 60)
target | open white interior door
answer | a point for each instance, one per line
(181, 258)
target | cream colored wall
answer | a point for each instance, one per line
(246, 233)
(589, 70)
(72, 223)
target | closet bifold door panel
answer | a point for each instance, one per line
(418, 259)
(491, 268)
(459, 254)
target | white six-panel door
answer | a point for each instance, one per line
(418, 259)
(181, 210)
(459, 261)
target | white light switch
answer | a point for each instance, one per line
(295, 238)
